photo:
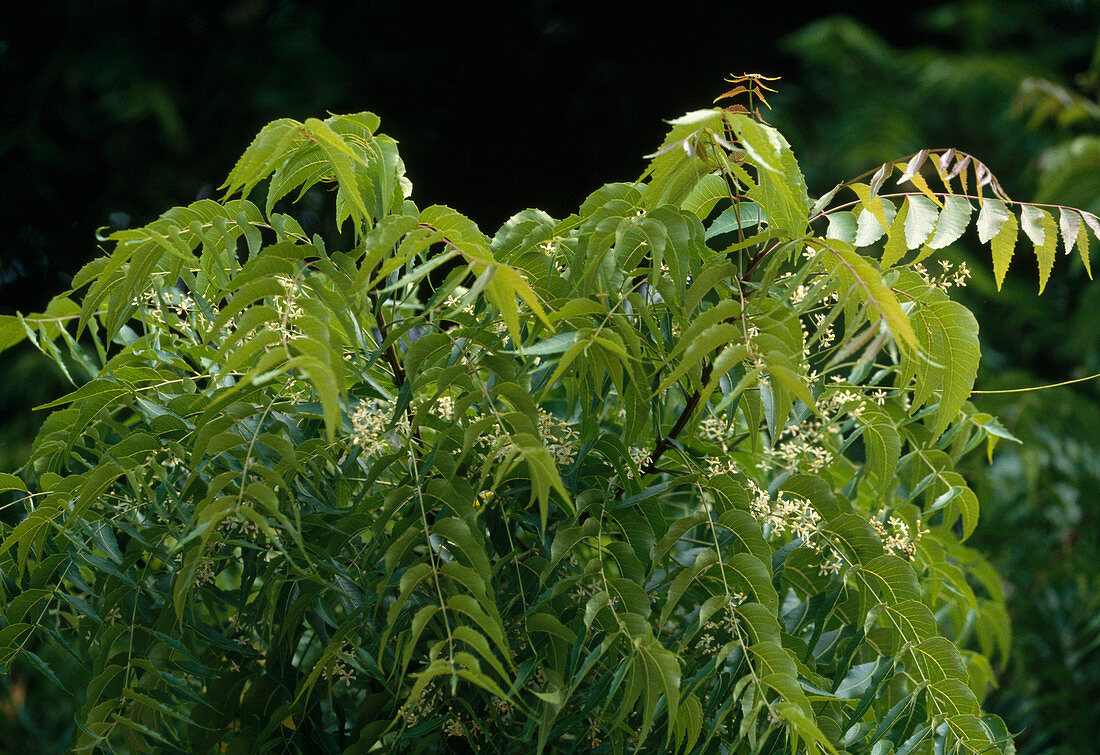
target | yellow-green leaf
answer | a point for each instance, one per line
(1002, 246)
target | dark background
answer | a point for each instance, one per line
(112, 112)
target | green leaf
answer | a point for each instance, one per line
(553, 345)
(266, 152)
(759, 621)
(804, 727)
(949, 352)
(911, 618)
(11, 482)
(12, 331)
(781, 189)
(741, 215)
(867, 283)
(962, 503)
(689, 723)
(1043, 232)
(1031, 220)
(544, 473)
(883, 443)
(754, 575)
(324, 380)
(1083, 249)
(895, 247)
(343, 161)
(938, 659)
(661, 675)
(892, 579)
(991, 218)
(747, 533)
(920, 220)
(1069, 222)
(952, 697)
(708, 191)
(680, 584)
(510, 282)
(843, 226)
(874, 221)
(677, 167)
(1002, 245)
(704, 344)
(544, 622)
(855, 535)
(952, 223)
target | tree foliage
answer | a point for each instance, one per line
(676, 471)
(1008, 92)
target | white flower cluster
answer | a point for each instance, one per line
(799, 294)
(502, 707)
(726, 620)
(444, 408)
(205, 573)
(422, 707)
(948, 277)
(189, 316)
(784, 514)
(805, 446)
(233, 526)
(460, 726)
(584, 590)
(717, 465)
(339, 672)
(830, 563)
(594, 733)
(558, 437)
(824, 341)
(369, 421)
(756, 358)
(639, 456)
(798, 517)
(895, 536)
(288, 310)
(713, 430)
(452, 302)
(551, 248)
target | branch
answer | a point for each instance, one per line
(391, 352)
(665, 441)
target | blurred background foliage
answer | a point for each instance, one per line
(115, 111)
(1014, 82)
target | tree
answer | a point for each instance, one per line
(676, 470)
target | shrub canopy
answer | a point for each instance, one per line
(675, 471)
